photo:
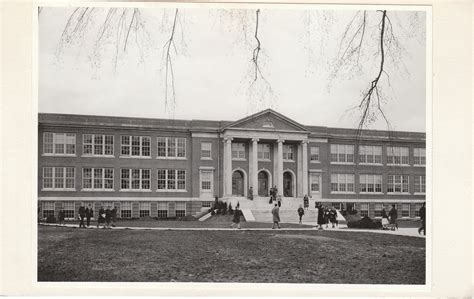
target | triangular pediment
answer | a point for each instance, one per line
(267, 120)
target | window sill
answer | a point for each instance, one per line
(399, 165)
(419, 165)
(341, 192)
(377, 193)
(170, 190)
(204, 159)
(264, 160)
(288, 161)
(99, 156)
(398, 193)
(315, 192)
(371, 164)
(343, 163)
(239, 159)
(98, 190)
(59, 155)
(171, 158)
(135, 157)
(135, 190)
(58, 189)
(419, 193)
(315, 162)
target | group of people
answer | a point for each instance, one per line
(390, 220)
(326, 215)
(105, 218)
(274, 196)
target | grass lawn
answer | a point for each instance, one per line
(70, 254)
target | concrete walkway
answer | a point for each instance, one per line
(411, 232)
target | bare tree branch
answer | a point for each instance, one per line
(169, 74)
(256, 50)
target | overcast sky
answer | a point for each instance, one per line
(213, 70)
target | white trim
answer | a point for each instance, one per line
(319, 140)
(239, 159)
(206, 158)
(97, 190)
(205, 135)
(398, 193)
(315, 170)
(206, 168)
(97, 156)
(343, 163)
(368, 193)
(342, 192)
(170, 190)
(419, 193)
(370, 164)
(58, 155)
(135, 190)
(165, 158)
(399, 165)
(62, 189)
(116, 198)
(135, 157)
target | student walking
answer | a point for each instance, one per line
(101, 218)
(276, 216)
(393, 215)
(89, 215)
(279, 200)
(108, 216)
(306, 202)
(423, 219)
(333, 217)
(300, 213)
(236, 220)
(320, 216)
(61, 216)
(113, 215)
(82, 215)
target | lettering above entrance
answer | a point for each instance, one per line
(268, 120)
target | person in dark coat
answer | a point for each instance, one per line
(272, 195)
(82, 215)
(333, 217)
(101, 218)
(108, 217)
(236, 220)
(275, 192)
(306, 202)
(89, 215)
(250, 195)
(279, 200)
(321, 220)
(300, 213)
(393, 215)
(113, 215)
(423, 219)
(276, 216)
(61, 216)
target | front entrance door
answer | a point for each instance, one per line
(287, 185)
(262, 183)
(237, 183)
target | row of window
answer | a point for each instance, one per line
(102, 179)
(171, 147)
(372, 183)
(403, 209)
(124, 209)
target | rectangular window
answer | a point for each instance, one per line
(206, 180)
(364, 209)
(314, 155)
(135, 146)
(135, 179)
(145, 207)
(206, 150)
(171, 147)
(59, 143)
(59, 178)
(370, 183)
(180, 209)
(378, 209)
(98, 178)
(342, 153)
(206, 204)
(397, 155)
(263, 152)
(419, 157)
(68, 210)
(417, 209)
(370, 154)
(171, 179)
(397, 183)
(238, 151)
(125, 209)
(48, 209)
(342, 182)
(420, 184)
(314, 179)
(288, 152)
(406, 210)
(162, 210)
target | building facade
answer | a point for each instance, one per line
(169, 168)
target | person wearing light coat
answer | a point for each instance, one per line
(276, 216)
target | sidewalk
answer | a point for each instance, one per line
(411, 232)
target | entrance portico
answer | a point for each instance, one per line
(272, 134)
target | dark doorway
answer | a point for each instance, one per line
(287, 184)
(262, 183)
(238, 183)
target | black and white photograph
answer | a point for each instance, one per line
(233, 143)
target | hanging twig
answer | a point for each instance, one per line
(169, 74)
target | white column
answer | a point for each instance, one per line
(280, 166)
(254, 168)
(305, 167)
(299, 174)
(228, 166)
